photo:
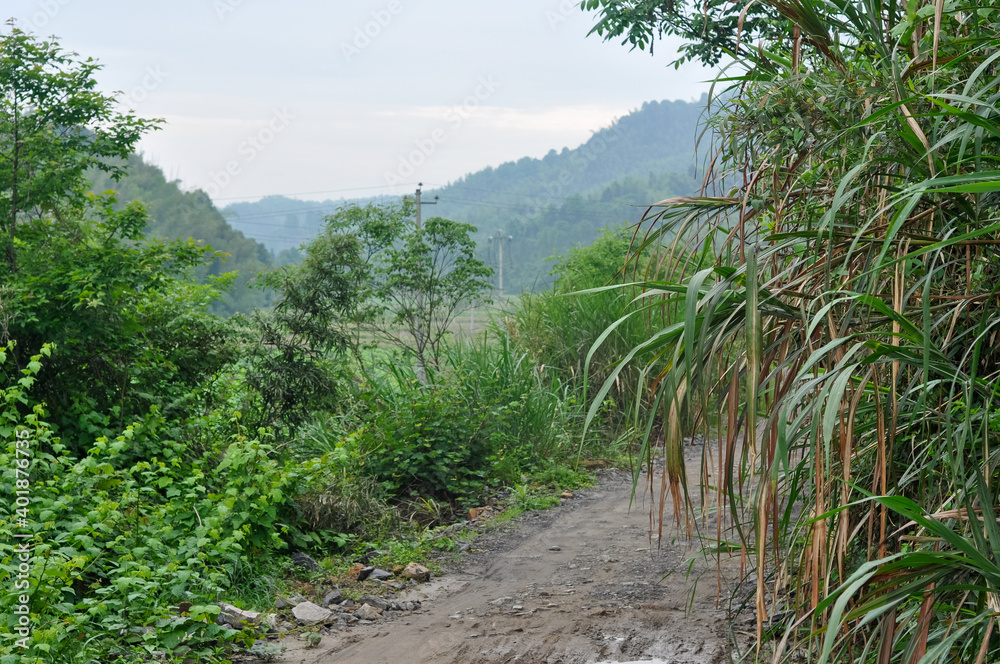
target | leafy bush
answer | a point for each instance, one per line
(423, 442)
(117, 543)
(294, 362)
(527, 413)
(524, 499)
(346, 504)
(127, 331)
(487, 416)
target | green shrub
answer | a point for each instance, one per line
(525, 408)
(562, 477)
(116, 543)
(422, 442)
(126, 331)
(559, 327)
(487, 416)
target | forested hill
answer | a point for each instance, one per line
(175, 214)
(546, 205)
(659, 138)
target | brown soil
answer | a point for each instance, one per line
(580, 583)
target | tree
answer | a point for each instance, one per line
(176, 214)
(710, 30)
(376, 228)
(373, 271)
(299, 339)
(423, 276)
(54, 125)
(429, 277)
(327, 305)
(370, 272)
(129, 332)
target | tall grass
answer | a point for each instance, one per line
(486, 416)
(533, 405)
(845, 334)
(560, 329)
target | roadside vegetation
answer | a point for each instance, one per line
(158, 458)
(844, 333)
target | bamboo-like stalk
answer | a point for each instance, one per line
(847, 329)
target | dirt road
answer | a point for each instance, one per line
(578, 584)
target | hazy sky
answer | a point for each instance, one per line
(323, 99)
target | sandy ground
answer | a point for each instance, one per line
(580, 583)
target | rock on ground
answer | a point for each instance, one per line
(417, 572)
(333, 597)
(368, 612)
(302, 560)
(236, 617)
(307, 612)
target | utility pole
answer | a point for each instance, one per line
(421, 203)
(418, 333)
(500, 235)
(500, 239)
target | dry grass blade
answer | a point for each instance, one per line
(985, 646)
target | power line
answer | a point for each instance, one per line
(332, 207)
(253, 198)
(528, 198)
(309, 193)
(242, 220)
(238, 221)
(505, 193)
(512, 206)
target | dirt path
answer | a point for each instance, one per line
(576, 584)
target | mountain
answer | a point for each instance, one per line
(175, 214)
(545, 205)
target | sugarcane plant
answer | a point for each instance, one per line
(840, 341)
